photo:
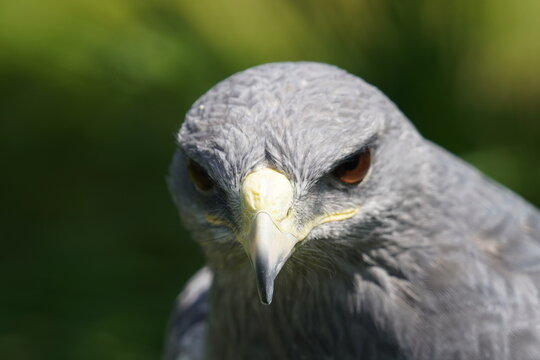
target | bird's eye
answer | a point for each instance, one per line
(199, 176)
(353, 169)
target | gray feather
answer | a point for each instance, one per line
(439, 263)
(188, 323)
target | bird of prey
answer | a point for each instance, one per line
(333, 230)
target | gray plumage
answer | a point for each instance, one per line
(439, 262)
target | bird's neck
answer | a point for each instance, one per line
(309, 314)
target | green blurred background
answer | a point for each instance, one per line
(92, 92)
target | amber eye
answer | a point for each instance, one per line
(199, 176)
(353, 169)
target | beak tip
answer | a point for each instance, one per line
(265, 299)
(266, 290)
(268, 248)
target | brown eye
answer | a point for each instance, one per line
(199, 176)
(353, 169)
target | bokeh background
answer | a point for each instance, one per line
(92, 92)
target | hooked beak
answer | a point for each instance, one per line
(266, 234)
(269, 231)
(268, 248)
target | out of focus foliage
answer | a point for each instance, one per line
(93, 91)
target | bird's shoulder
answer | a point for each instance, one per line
(505, 226)
(186, 333)
(521, 248)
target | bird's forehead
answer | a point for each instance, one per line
(301, 118)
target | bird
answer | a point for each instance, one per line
(331, 229)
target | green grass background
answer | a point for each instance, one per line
(92, 92)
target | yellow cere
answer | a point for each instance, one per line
(267, 190)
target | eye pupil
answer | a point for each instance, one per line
(199, 176)
(353, 169)
(349, 164)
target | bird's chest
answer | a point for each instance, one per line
(305, 327)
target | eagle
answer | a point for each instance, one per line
(332, 229)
